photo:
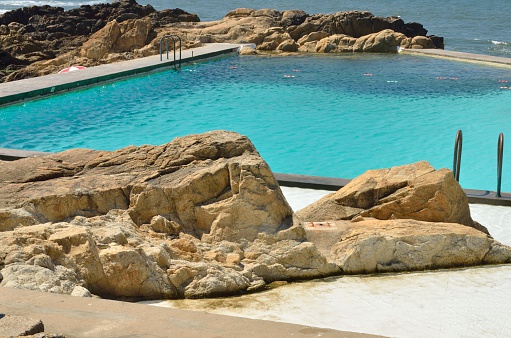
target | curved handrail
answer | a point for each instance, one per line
(172, 37)
(500, 158)
(456, 163)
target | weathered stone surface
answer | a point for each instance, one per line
(385, 41)
(371, 245)
(200, 216)
(117, 37)
(405, 218)
(40, 33)
(42, 40)
(288, 45)
(16, 326)
(203, 216)
(246, 50)
(335, 43)
(414, 191)
(102, 41)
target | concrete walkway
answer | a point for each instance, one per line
(91, 317)
(461, 56)
(49, 84)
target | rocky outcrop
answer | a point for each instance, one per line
(291, 31)
(416, 191)
(405, 218)
(203, 216)
(39, 33)
(200, 216)
(18, 326)
(42, 40)
(117, 38)
(373, 246)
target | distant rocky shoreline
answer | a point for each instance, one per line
(41, 40)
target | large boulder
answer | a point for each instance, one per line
(413, 191)
(404, 218)
(372, 246)
(202, 215)
(117, 37)
(385, 41)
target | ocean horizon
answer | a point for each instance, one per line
(471, 26)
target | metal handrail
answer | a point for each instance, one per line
(456, 163)
(500, 158)
(166, 38)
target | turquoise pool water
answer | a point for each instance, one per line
(331, 116)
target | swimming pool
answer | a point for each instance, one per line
(322, 115)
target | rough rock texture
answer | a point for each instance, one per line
(117, 37)
(200, 216)
(372, 245)
(42, 40)
(39, 33)
(14, 326)
(290, 31)
(405, 218)
(414, 191)
(203, 216)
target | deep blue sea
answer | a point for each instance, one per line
(468, 26)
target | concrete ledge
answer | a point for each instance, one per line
(14, 326)
(15, 154)
(92, 317)
(15, 91)
(311, 182)
(461, 56)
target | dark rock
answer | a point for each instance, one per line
(23, 15)
(127, 16)
(438, 41)
(168, 16)
(293, 18)
(7, 59)
(52, 31)
(413, 29)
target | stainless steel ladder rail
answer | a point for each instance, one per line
(172, 37)
(500, 158)
(458, 143)
(456, 163)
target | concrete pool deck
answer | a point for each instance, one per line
(92, 317)
(15, 91)
(460, 56)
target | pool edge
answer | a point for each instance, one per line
(41, 86)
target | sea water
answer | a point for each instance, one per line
(469, 26)
(330, 115)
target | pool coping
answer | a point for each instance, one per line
(38, 87)
(461, 56)
(304, 181)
